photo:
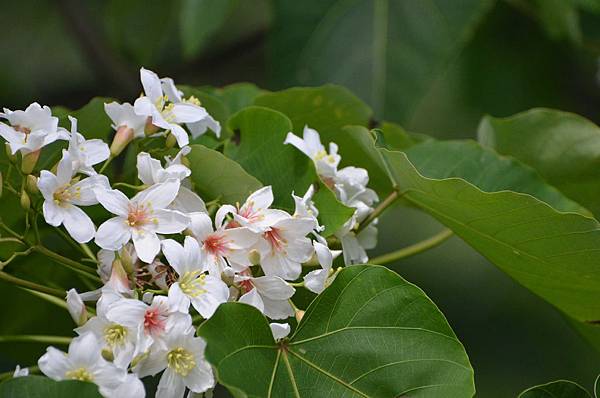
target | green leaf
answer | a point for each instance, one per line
(554, 254)
(213, 104)
(369, 334)
(563, 147)
(559, 18)
(92, 121)
(403, 47)
(199, 20)
(216, 176)
(396, 138)
(331, 110)
(262, 153)
(556, 389)
(43, 387)
(238, 95)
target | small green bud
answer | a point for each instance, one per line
(25, 201)
(171, 141)
(107, 354)
(29, 161)
(31, 184)
(254, 257)
(126, 261)
(12, 158)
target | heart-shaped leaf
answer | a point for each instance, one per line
(369, 334)
(556, 389)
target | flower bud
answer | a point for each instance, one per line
(31, 184)
(28, 161)
(299, 314)
(149, 128)
(25, 201)
(122, 138)
(171, 141)
(254, 257)
(119, 280)
(12, 158)
(76, 307)
(107, 354)
(126, 260)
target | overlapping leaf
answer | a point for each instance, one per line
(554, 254)
(43, 387)
(370, 334)
(556, 389)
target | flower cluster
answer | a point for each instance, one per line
(167, 260)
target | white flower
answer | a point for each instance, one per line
(351, 189)
(317, 280)
(83, 362)
(182, 357)
(310, 144)
(62, 196)
(284, 247)
(279, 330)
(31, 129)
(140, 219)
(223, 243)
(150, 171)
(168, 116)
(255, 213)
(85, 153)
(152, 321)
(76, 307)
(269, 294)
(305, 208)
(196, 128)
(204, 292)
(120, 339)
(127, 124)
(21, 372)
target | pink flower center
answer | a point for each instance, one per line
(246, 285)
(154, 321)
(275, 239)
(247, 211)
(22, 129)
(216, 244)
(140, 215)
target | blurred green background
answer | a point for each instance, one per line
(434, 66)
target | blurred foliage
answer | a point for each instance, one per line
(433, 66)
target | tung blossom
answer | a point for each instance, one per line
(31, 129)
(162, 111)
(83, 362)
(140, 219)
(85, 153)
(310, 144)
(269, 294)
(62, 196)
(204, 292)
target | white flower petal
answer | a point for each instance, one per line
(170, 221)
(280, 330)
(158, 196)
(78, 224)
(146, 243)
(113, 234)
(113, 200)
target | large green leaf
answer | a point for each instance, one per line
(331, 110)
(43, 387)
(199, 19)
(259, 148)
(369, 334)
(556, 389)
(217, 177)
(389, 52)
(554, 254)
(563, 147)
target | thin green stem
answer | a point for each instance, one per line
(31, 338)
(130, 186)
(14, 255)
(69, 240)
(86, 249)
(10, 231)
(47, 297)
(30, 285)
(411, 250)
(15, 240)
(72, 264)
(387, 202)
(105, 165)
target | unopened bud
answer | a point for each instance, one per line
(107, 354)
(29, 161)
(12, 158)
(149, 128)
(254, 257)
(299, 314)
(76, 307)
(25, 201)
(122, 138)
(171, 141)
(119, 279)
(31, 184)
(126, 260)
